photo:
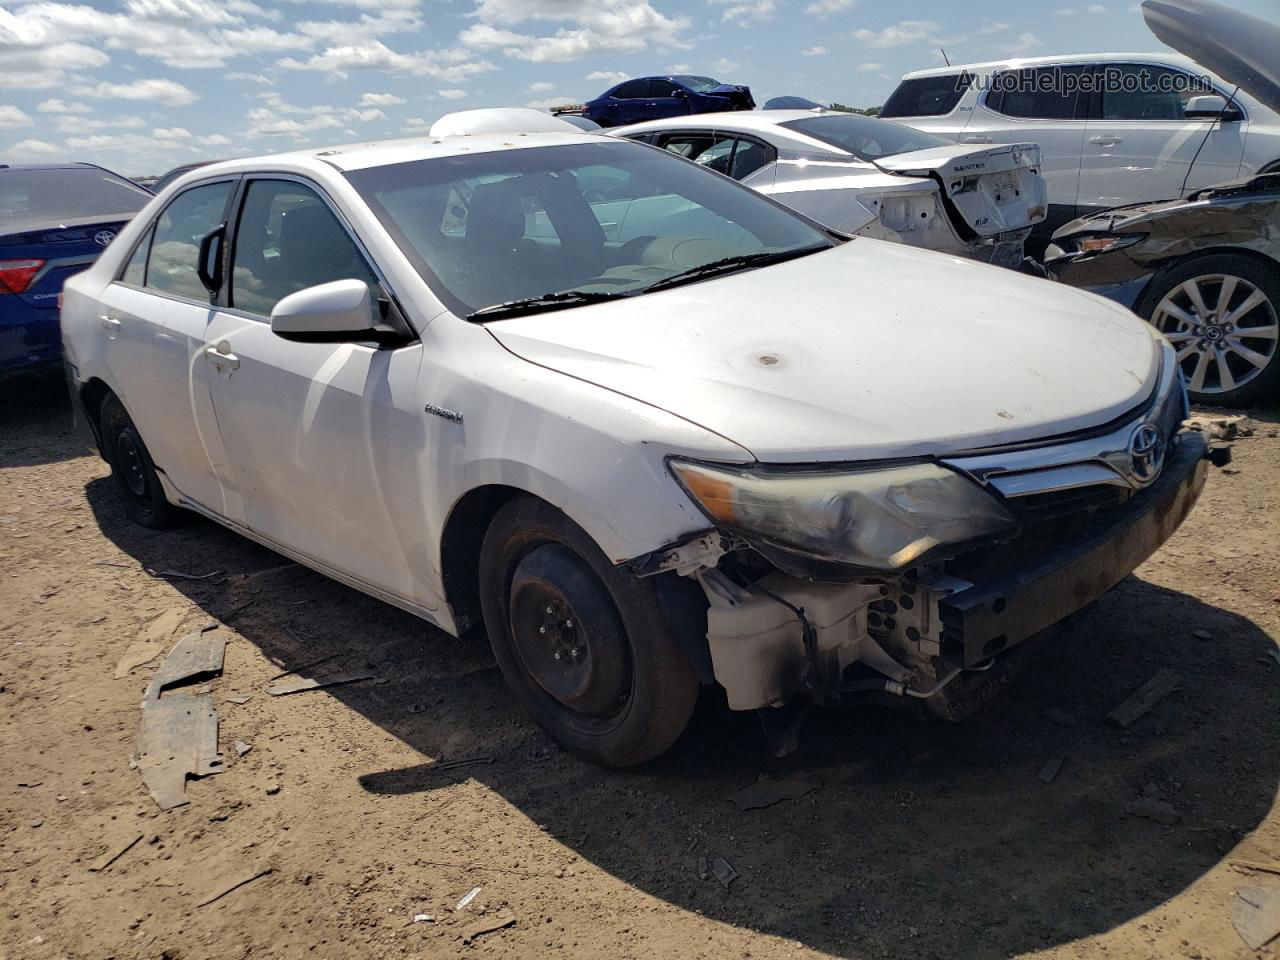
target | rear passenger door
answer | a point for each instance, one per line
(324, 438)
(1041, 105)
(1140, 145)
(156, 313)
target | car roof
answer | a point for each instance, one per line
(69, 165)
(745, 120)
(1173, 59)
(381, 153)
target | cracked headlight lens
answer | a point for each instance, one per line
(884, 519)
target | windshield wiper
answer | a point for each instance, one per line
(730, 264)
(544, 302)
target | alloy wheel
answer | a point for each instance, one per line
(1224, 329)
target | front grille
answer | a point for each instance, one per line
(1052, 504)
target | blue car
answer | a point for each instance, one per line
(55, 219)
(656, 98)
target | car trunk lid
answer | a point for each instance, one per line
(66, 247)
(989, 190)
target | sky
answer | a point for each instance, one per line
(142, 85)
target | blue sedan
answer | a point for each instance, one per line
(656, 98)
(55, 219)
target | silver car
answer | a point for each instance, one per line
(861, 175)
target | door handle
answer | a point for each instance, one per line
(222, 359)
(975, 139)
(110, 323)
(1105, 141)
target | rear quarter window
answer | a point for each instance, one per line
(934, 96)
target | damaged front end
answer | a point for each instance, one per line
(924, 580)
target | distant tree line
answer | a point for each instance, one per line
(865, 111)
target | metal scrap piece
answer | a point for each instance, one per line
(311, 683)
(1255, 913)
(724, 871)
(178, 734)
(501, 919)
(113, 854)
(235, 884)
(1152, 692)
(765, 793)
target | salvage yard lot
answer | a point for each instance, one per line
(917, 839)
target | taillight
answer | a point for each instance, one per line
(16, 275)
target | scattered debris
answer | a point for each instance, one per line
(1255, 913)
(1221, 427)
(1051, 767)
(311, 683)
(704, 868)
(1153, 806)
(112, 855)
(423, 918)
(37, 823)
(1152, 692)
(179, 575)
(303, 666)
(273, 789)
(467, 898)
(1202, 634)
(499, 921)
(151, 644)
(1061, 717)
(240, 699)
(236, 883)
(241, 747)
(178, 735)
(30, 783)
(1274, 654)
(452, 764)
(1256, 867)
(724, 871)
(765, 793)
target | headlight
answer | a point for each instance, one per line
(881, 519)
(1105, 242)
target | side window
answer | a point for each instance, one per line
(175, 242)
(934, 96)
(1132, 91)
(632, 90)
(748, 157)
(1036, 93)
(658, 87)
(135, 271)
(288, 239)
(691, 146)
(735, 157)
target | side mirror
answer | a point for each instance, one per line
(1210, 106)
(327, 313)
(681, 93)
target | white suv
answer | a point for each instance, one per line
(1113, 128)
(719, 445)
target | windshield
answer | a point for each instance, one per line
(67, 193)
(595, 219)
(698, 84)
(865, 137)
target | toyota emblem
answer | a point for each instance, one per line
(103, 237)
(1146, 453)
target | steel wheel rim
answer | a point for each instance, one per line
(1224, 329)
(131, 465)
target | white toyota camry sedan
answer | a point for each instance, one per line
(650, 428)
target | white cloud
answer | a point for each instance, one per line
(418, 122)
(171, 133)
(588, 27)
(725, 65)
(386, 23)
(167, 92)
(452, 93)
(990, 28)
(743, 12)
(448, 65)
(825, 8)
(265, 122)
(77, 123)
(36, 67)
(550, 102)
(1024, 44)
(677, 68)
(34, 147)
(380, 100)
(610, 76)
(1096, 8)
(11, 116)
(899, 34)
(541, 87)
(214, 140)
(869, 67)
(251, 77)
(815, 51)
(54, 105)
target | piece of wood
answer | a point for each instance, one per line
(1256, 867)
(1152, 692)
(112, 855)
(1255, 913)
(501, 919)
(235, 884)
(311, 683)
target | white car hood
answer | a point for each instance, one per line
(867, 351)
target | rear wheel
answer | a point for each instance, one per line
(1222, 315)
(583, 646)
(132, 468)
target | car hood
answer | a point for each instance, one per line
(1264, 187)
(870, 350)
(1240, 48)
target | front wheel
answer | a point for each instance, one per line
(132, 468)
(584, 647)
(1220, 312)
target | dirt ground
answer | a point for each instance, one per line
(918, 840)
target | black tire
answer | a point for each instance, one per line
(133, 469)
(1229, 378)
(584, 646)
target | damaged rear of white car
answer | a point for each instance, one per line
(868, 177)
(723, 446)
